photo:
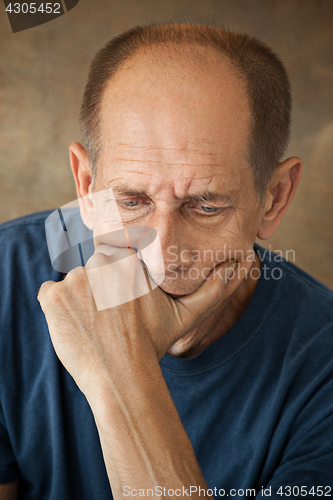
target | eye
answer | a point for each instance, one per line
(209, 210)
(130, 204)
(205, 210)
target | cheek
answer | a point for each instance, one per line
(242, 230)
(233, 241)
(239, 246)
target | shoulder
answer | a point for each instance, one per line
(17, 234)
(301, 312)
(24, 257)
(297, 343)
(24, 265)
(305, 283)
(40, 247)
(33, 219)
(296, 289)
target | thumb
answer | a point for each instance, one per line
(193, 308)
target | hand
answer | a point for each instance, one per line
(93, 344)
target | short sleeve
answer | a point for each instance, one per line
(9, 471)
(306, 468)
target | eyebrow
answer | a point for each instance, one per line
(203, 196)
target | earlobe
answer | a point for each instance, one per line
(83, 181)
(279, 195)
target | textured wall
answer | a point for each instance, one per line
(43, 70)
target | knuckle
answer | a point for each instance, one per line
(52, 294)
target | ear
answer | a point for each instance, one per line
(279, 194)
(83, 180)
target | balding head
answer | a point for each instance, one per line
(181, 101)
(255, 68)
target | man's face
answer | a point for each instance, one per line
(175, 126)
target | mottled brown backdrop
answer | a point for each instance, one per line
(43, 70)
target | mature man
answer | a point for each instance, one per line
(219, 381)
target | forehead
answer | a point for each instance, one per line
(175, 115)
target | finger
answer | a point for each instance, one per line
(106, 254)
(43, 290)
(207, 296)
(117, 278)
(108, 249)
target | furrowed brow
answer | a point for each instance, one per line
(126, 190)
(204, 196)
(210, 196)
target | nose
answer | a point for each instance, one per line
(170, 234)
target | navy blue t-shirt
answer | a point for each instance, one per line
(257, 404)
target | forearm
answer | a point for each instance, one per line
(112, 354)
(143, 440)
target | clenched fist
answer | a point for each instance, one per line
(95, 345)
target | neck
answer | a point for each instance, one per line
(219, 322)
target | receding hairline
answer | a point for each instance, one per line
(267, 83)
(138, 57)
(178, 49)
(169, 48)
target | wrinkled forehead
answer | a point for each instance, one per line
(184, 169)
(151, 145)
(163, 111)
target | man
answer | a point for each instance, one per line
(219, 381)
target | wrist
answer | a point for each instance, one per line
(124, 383)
